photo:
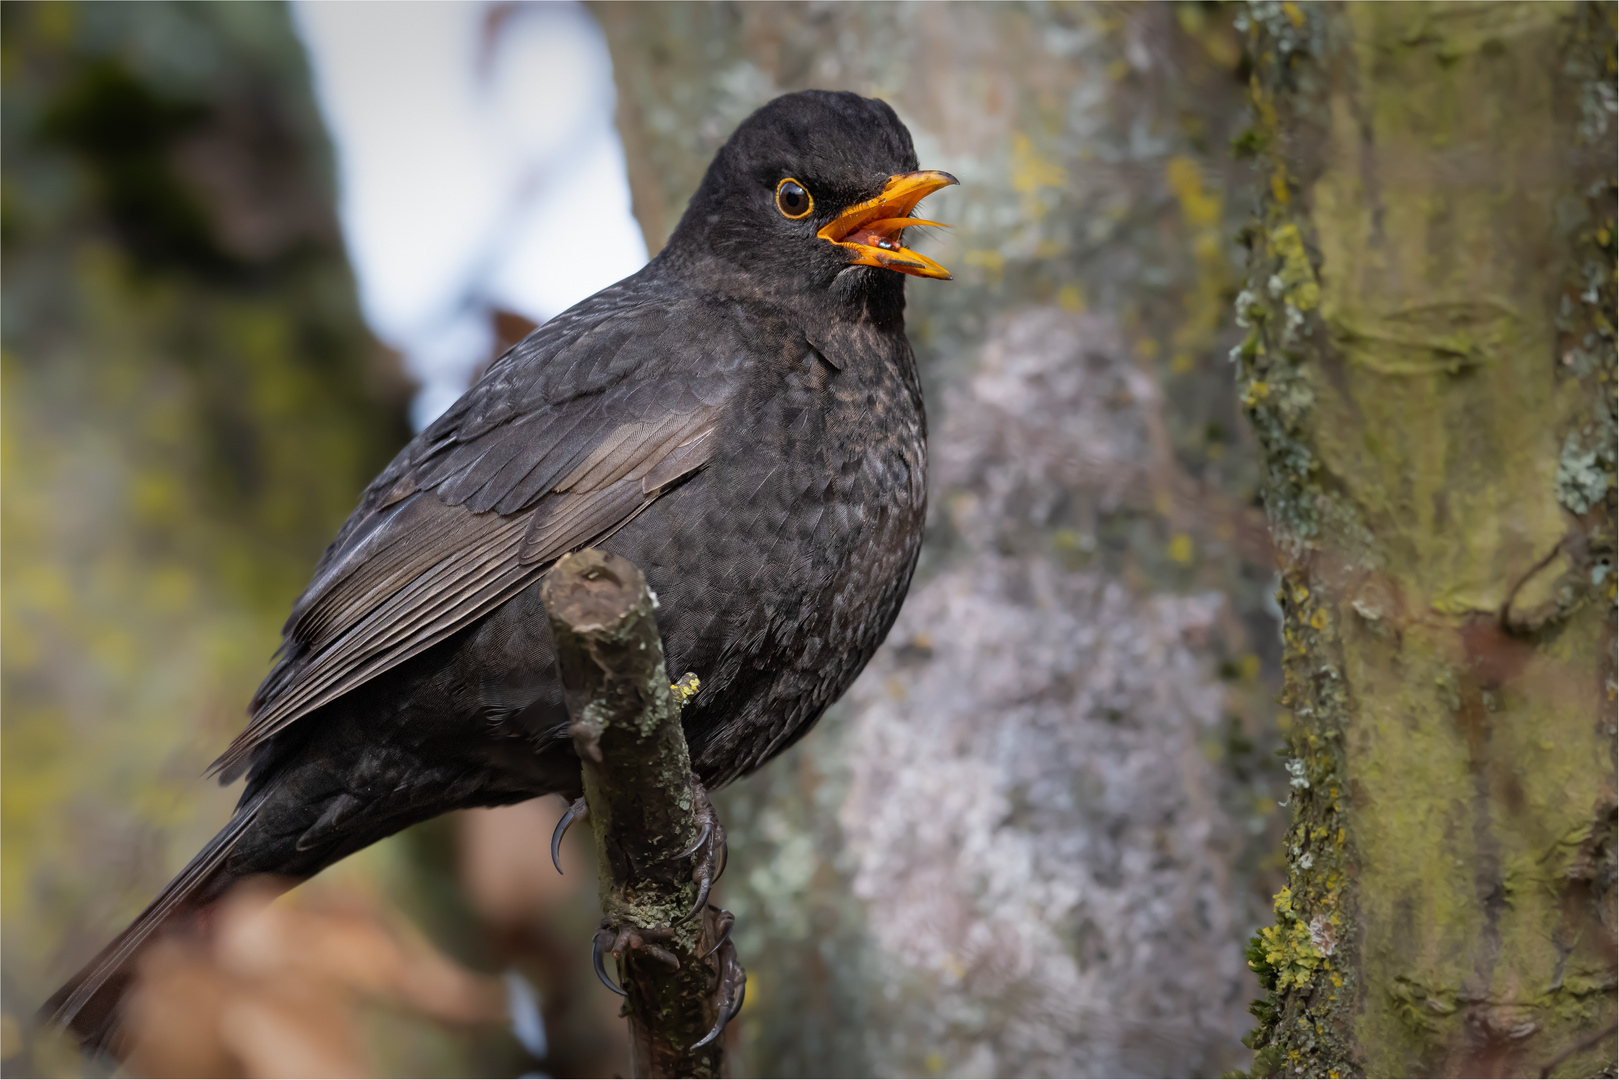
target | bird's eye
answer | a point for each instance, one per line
(792, 200)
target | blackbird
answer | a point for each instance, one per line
(741, 418)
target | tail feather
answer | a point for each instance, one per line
(88, 1004)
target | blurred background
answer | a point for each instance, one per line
(249, 247)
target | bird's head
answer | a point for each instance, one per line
(814, 191)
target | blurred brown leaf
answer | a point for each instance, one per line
(279, 989)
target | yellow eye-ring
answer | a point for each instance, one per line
(793, 200)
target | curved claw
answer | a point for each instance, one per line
(726, 921)
(597, 946)
(730, 1009)
(703, 887)
(702, 838)
(575, 811)
(713, 1032)
(725, 857)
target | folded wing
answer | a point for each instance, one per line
(552, 451)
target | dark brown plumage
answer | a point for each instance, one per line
(741, 419)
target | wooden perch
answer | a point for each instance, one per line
(646, 809)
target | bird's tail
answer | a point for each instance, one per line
(88, 1004)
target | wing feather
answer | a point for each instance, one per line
(634, 449)
(576, 519)
(551, 452)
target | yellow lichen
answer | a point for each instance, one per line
(1298, 279)
(686, 688)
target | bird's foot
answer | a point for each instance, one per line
(731, 988)
(708, 866)
(708, 853)
(730, 977)
(615, 938)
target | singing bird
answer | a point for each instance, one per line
(741, 418)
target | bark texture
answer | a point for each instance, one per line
(1430, 369)
(643, 800)
(1033, 839)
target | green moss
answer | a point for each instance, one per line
(1300, 1019)
(1247, 145)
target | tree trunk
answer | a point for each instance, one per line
(1430, 370)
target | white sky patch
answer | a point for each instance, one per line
(478, 168)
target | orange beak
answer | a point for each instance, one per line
(872, 229)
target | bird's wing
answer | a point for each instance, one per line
(566, 440)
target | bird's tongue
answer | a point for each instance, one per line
(886, 233)
(873, 238)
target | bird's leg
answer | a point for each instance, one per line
(708, 854)
(732, 988)
(721, 931)
(712, 854)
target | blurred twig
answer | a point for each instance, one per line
(644, 805)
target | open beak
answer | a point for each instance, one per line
(872, 230)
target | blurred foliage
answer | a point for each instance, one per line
(191, 406)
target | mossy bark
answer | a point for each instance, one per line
(643, 802)
(1430, 370)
